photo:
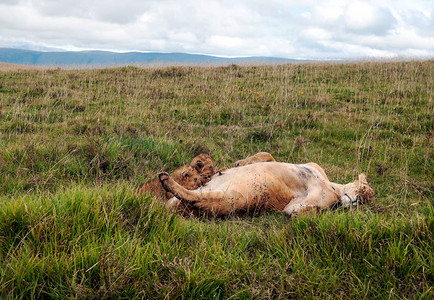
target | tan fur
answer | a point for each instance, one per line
(204, 164)
(190, 177)
(187, 176)
(258, 157)
(284, 187)
(357, 192)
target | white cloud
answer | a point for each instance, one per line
(288, 28)
(225, 42)
(183, 38)
(363, 17)
(327, 12)
(316, 34)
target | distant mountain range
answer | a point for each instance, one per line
(106, 58)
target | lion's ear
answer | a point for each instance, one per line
(362, 179)
(198, 165)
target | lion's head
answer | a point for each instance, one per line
(357, 192)
(188, 177)
(204, 165)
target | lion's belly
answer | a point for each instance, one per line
(258, 186)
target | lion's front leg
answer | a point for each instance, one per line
(301, 209)
(314, 202)
(176, 189)
(212, 202)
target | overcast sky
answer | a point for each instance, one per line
(322, 29)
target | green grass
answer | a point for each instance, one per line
(75, 144)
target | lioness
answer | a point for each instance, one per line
(289, 188)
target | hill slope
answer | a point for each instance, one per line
(28, 57)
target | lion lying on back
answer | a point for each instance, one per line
(256, 186)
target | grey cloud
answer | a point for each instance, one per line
(121, 12)
(421, 20)
(11, 2)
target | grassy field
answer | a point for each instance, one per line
(74, 145)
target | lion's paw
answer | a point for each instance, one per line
(163, 177)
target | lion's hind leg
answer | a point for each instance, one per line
(257, 158)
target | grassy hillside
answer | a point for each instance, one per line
(75, 144)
